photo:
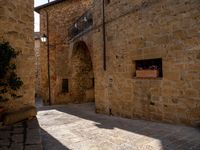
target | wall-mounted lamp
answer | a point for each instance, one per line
(43, 38)
(75, 25)
(85, 19)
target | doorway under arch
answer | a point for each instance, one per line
(82, 76)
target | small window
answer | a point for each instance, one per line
(93, 82)
(150, 68)
(65, 87)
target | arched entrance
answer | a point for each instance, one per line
(82, 76)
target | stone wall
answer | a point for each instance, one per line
(37, 64)
(81, 79)
(146, 29)
(135, 30)
(61, 17)
(16, 27)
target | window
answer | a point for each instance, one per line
(93, 82)
(149, 68)
(65, 87)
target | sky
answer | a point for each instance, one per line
(36, 15)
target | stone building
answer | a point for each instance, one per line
(97, 48)
(37, 63)
(61, 15)
(16, 27)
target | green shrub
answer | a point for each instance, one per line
(9, 81)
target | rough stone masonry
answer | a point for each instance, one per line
(135, 31)
(16, 27)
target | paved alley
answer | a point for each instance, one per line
(77, 127)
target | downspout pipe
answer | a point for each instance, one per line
(48, 58)
(104, 35)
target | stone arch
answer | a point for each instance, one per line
(82, 76)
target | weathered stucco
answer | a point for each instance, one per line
(16, 27)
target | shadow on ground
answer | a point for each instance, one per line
(172, 137)
(50, 143)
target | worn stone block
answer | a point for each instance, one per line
(33, 136)
(33, 147)
(16, 146)
(18, 138)
(25, 113)
(5, 142)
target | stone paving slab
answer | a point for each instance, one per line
(78, 127)
(21, 136)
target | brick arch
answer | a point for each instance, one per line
(82, 86)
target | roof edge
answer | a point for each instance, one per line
(38, 8)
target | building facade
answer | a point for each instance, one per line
(37, 64)
(16, 27)
(61, 15)
(98, 48)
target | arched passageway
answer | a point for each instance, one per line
(82, 76)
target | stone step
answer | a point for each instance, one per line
(24, 135)
(17, 116)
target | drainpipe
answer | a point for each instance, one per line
(104, 47)
(104, 35)
(49, 76)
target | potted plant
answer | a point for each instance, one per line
(151, 72)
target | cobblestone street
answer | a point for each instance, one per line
(21, 136)
(77, 127)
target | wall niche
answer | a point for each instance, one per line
(148, 68)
